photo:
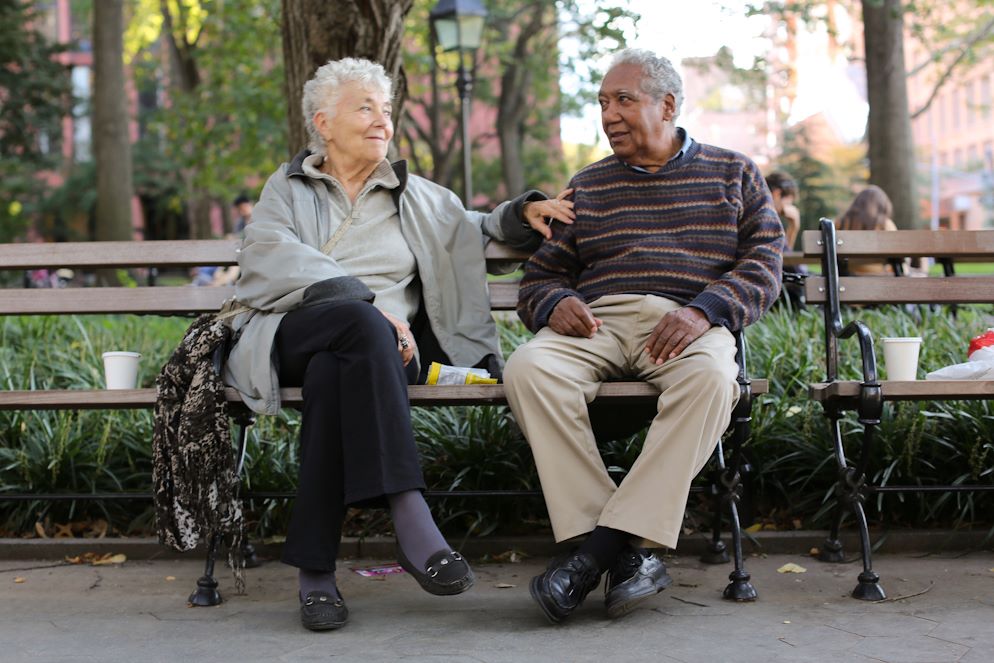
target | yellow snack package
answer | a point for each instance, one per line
(443, 374)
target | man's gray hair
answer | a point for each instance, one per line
(659, 78)
(321, 93)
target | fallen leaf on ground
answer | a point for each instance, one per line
(752, 529)
(790, 567)
(40, 530)
(97, 560)
(170, 578)
(814, 552)
(510, 556)
(63, 531)
(786, 621)
(504, 585)
(18, 580)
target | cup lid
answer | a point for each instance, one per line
(902, 339)
(121, 353)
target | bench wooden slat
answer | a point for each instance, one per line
(478, 394)
(965, 244)
(907, 391)
(164, 300)
(891, 290)
(93, 255)
(154, 253)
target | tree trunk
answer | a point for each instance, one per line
(185, 79)
(316, 31)
(891, 147)
(515, 84)
(111, 139)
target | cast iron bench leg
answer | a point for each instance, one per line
(740, 588)
(831, 550)
(207, 593)
(850, 492)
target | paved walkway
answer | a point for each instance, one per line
(137, 612)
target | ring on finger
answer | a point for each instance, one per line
(404, 342)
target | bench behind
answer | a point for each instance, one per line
(867, 396)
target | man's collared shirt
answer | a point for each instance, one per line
(687, 142)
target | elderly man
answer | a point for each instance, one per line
(675, 245)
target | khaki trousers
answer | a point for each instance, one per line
(551, 379)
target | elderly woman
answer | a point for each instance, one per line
(350, 265)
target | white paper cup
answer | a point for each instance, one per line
(121, 369)
(901, 357)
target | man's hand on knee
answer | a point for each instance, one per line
(572, 317)
(675, 331)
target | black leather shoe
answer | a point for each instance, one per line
(321, 611)
(445, 573)
(562, 587)
(637, 574)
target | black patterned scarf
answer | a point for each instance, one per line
(193, 467)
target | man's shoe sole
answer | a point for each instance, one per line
(533, 588)
(625, 606)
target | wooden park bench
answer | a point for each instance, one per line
(189, 301)
(867, 396)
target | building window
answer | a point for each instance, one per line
(985, 97)
(940, 102)
(971, 104)
(955, 108)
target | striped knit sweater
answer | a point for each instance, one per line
(701, 231)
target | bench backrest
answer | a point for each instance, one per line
(954, 245)
(162, 300)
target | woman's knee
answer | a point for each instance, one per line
(364, 323)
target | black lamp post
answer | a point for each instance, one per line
(457, 25)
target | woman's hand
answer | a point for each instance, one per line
(405, 339)
(540, 213)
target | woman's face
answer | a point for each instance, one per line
(360, 127)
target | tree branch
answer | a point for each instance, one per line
(966, 43)
(947, 74)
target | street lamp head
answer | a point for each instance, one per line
(458, 24)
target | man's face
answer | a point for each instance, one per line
(634, 122)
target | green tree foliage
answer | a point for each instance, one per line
(825, 185)
(221, 126)
(34, 96)
(517, 84)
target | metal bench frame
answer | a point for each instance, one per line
(867, 396)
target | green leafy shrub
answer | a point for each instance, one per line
(480, 448)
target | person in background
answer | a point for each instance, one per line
(243, 212)
(871, 209)
(243, 217)
(783, 189)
